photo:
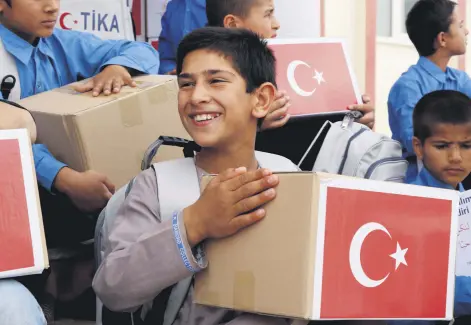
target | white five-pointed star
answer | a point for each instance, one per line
(319, 77)
(400, 256)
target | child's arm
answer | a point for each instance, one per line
(89, 191)
(166, 47)
(110, 63)
(401, 103)
(12, 117)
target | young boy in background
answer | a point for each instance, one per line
(442, 141)
(438, 34)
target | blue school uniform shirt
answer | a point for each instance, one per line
(181, 17)
(59, 60)
(419, 80)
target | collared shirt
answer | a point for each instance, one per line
(61, 59)
(425, 178)
(181, 17)
(419, 80)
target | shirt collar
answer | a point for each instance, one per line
(433, 70)
(19, 48)
(427, 179)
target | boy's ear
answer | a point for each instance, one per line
(264, 97)
(232, 21)
(418, 148)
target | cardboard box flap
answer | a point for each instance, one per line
(66, 101)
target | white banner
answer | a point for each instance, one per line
(107, 19)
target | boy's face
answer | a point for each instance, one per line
(455, 40)
(30, 19)
(213, 103)
(447, 153)
(261, 19)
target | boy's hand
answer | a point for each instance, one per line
(89, 191)
(230, 202)
(278, 114)
(109, 81)
(368, 111)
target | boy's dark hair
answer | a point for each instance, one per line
(249, 55)
(426, 20)
(217, 10)
(441, 106)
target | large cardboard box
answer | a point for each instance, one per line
(22, 241)
(108, 134)
(333, 247)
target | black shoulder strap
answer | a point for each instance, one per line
(6, 86)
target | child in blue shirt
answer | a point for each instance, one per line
(438, 34)
(442, 141)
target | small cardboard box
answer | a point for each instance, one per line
(22, 237)
(332, 247)
(109, 134)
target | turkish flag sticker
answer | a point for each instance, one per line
(387, 256)
(316, 74)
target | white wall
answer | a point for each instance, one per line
(299, 21)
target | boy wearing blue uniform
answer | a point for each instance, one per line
(438, 34)
(442, 141)
(47, 58)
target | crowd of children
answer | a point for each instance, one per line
(225, 71)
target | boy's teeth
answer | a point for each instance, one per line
(205, 117)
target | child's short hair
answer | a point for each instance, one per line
(426, 20)
(249, 55)
(217, 10)
(442, 106)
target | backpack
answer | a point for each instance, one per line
(175, 193)
(10, 87)
(352, 149)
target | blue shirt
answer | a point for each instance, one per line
(419, 80)
(181, 17)
(60, 60)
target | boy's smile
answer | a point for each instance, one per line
(447, 152)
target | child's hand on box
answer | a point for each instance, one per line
(230, 202)
(89, 191)
(278, 114)
(109, 81)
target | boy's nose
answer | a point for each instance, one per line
(275, 24)
(52, 5)
(455, 155)
(200, 95)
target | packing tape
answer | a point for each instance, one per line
(158, 95)
(130, 111)
(244, 291)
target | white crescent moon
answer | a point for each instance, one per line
(292, 80)
(355, 250)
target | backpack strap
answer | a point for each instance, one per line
(275, 163)
(178, 187)
(10, 86)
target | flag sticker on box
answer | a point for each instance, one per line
(21, 228)
(316, 74)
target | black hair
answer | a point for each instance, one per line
(426, 20)
(249, 55)
(441, 106)
(217, 10)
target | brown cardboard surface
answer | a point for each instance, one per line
(245, 270)
(109, 134)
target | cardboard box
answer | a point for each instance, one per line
(109, 134)
(333, 247)
(22, 237)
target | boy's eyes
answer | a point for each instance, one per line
(186, 84)
(442, 146)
